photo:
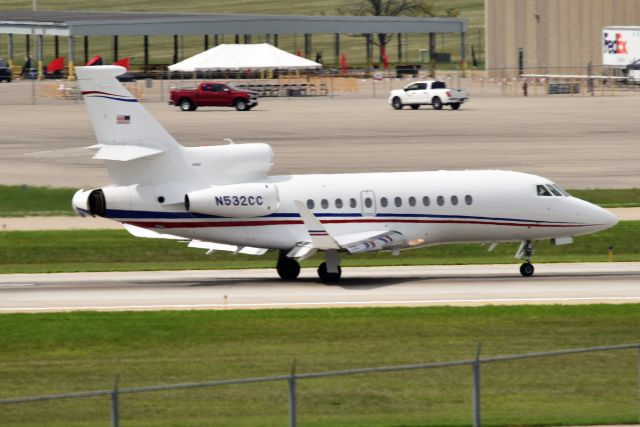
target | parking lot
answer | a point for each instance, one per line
(578, 141)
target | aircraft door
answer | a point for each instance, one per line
(368, 200)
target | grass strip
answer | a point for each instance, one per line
(18, 201)
(116, 250)
(24, 200)
(49, 353)
(611, 198)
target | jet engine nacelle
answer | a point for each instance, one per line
(95, 202)
(234, 201)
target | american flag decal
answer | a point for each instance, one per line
(123, 120)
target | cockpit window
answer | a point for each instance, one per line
(562, 190)
(554, 191)
(542, 190)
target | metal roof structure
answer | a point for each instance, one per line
(72, 23)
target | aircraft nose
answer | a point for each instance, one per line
(605, 218)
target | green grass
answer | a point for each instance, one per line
(612, 198)
(115, 250)
(44, 201)
(161, 47)
(53, 353)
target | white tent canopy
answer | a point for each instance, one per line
(242, 57)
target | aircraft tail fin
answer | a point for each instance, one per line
(117, 116)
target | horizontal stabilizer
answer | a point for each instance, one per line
(149, 234)
(211, 247)
(123, 153)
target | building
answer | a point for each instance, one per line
(551, 36)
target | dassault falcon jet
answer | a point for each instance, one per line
(222, 198)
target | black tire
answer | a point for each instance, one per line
(327, 277)
(288, 269)
(527, 269)
(241, 105)
(396, 103)
(187, 105)
(415, 106)
(436, 103)
(455, 106)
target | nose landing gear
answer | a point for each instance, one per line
(526, 251)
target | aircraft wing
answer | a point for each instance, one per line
(212, 247)
(198, 244)
(149, 234)
(375, 241)
(321, 239)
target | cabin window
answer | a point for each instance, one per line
(368, 202)
(440, 200)
(339, 203)
(454, 200)
(542, 191)
(412, 201)
(438, 85)
(353, 202)
(468, 200)
(324, 203)
(397, 201)
(384, 202)
(311, 204)
(426, 201)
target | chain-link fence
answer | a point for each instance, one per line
(476, 364)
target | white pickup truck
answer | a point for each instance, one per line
(427, 92)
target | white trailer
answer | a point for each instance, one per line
(620, 46)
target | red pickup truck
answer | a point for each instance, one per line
(213, 95)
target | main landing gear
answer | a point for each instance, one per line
(526, 251)
(328, 272)
(288, 268)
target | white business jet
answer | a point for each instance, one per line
(221, 198)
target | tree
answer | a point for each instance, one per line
(396, 8)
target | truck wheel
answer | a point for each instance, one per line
(436, 103)
(455, 106)
(241, 105)
(415, 107)
(187, 105)
(396, 103)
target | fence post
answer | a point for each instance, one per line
(476, 389)
(292, 396)
(115, 417)
(638, 348)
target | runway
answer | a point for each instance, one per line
(584, 283)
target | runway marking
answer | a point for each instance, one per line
(326, 303)
(13, 285)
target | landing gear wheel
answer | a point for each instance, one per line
(527, 269)
(455, 106)
(327, 277)
(415, 107)
(396, 103)
(288, 269)
(436, 103)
